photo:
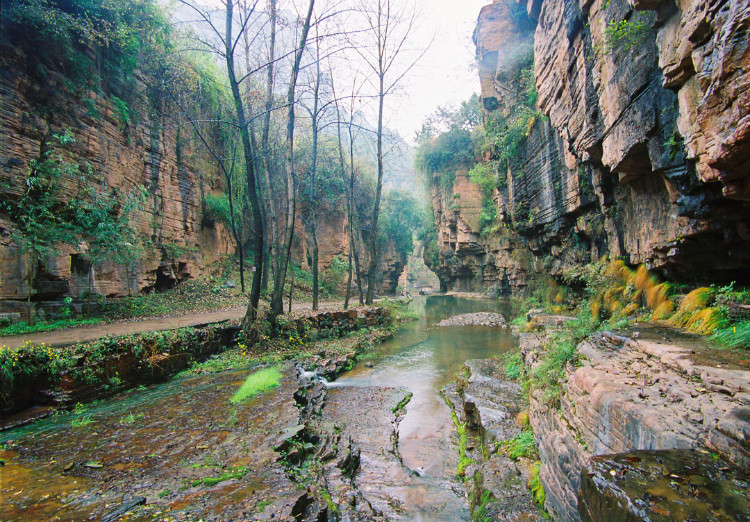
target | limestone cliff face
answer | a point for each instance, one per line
(641, 148)
(151, 151)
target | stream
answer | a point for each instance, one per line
(421, 359)
(175, 447)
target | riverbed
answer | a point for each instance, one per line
(181, 451)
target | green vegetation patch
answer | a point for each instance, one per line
(256, 383)
(232, 473)
(23, 327)
(522, 445)
(402, 403)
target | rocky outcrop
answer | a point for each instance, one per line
(150, 150)
(468, 261)
(486, 406)
(654, 389)
(640, 148)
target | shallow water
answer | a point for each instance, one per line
(422, 359)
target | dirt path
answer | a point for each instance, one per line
(70, 336)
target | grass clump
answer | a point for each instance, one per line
(257, 382)
(734, 336)
(231, 473)
(535, 485)
(464, 461)
(522, 445)
(513, 365)
(694, 302)
(402, 403)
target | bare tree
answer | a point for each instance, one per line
(223, 43)
(286, 247)
(389, 25)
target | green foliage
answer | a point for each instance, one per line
(131, 418)
(398, 408)
(535, 485)
(23, 327)
(626, 36)
(479, 514)
(513, 364)
(103, 221)
(42, 219)
(334, 276)
(122, 111)
(216, 209)
(522, 445)
(427, 234)
(736, 335)
(232, 473)
(123, 31)
(447, 142)
(256, 383)
(400, 217)
(483, 175)
(505, 136)
(561, 348)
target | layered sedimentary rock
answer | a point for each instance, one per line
(155, 149)
(654, 390)
(640, 148)
(150, 151)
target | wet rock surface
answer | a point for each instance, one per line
(183, 446)
(475, 319)
(653, 389)
(488, 405)
(662, 486)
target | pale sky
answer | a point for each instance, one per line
(446, 75)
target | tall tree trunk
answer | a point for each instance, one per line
(291, 288)
(271, 210)
(252, 307)
(376, 209)
(88, 296)
(237, 235)
(286, 247)
(348, 198)
(352, 236)
(313, 172)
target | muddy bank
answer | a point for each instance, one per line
(650, 388)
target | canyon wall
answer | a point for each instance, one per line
(151, 150)
(640, 147)
(154, 148)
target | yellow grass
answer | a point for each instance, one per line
(642, 279)
(663, 311)
(637, 297)
(596, 308)
(618, 269)
(706, 321)
(694, 302)
(630, 309)
(657, 295)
